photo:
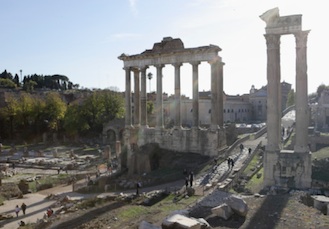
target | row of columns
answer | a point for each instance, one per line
(140, 96)
(274, 112)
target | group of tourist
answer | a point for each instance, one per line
(230, 163)
(18, 209)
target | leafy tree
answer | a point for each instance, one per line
(74, 122)
(54, 111)
(29, 85)
(98, 108)
(16, 80)
(320, 89)
(291, 98)
(8, 113)
(150, 107)
(7, 83)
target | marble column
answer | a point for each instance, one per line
(128, 98)
(178, 120)
(220, 98)
(159, 98)
(137, 99)
(214, 95)
(195, 94)
(273, 93)
(302, 110)
(143, 97)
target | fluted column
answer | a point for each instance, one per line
(302, 111)
(159, 102)
(273, 93)
(214, 94)
(143, 97)
(137, 99)
(128, 98)
(178, 120)
(195, 94)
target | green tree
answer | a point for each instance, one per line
(7, 83)
(74, 121)
(9, 113)
(54, 110)
(150, 107)
(291, 98)
(320, 89)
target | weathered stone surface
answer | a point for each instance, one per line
(203, 222)
(237, 204)
(180, 222)
(224, 211)
(146, 225)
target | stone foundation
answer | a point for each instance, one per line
(288, 169)
(202, 141)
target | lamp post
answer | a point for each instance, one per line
(150, 76)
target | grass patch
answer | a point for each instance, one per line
(255, 184)
(321, 154)
(154, 213)
(252, 165)
(49, 181)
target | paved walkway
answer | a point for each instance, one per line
(37, 203)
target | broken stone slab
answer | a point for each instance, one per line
(147, 225)
(180, 222)
(223, 211)
(237, 204)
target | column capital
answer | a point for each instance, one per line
(301, 38)
(143, 68)
(215, 60)
(195, 63)
(177, 65)
(272, 41)
(159, 66)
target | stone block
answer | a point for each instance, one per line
(223, 211)
(237, 204)
(180, 222)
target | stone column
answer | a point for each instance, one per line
(214, 95)
(195, 94)
(128, 98)
(159, 102)
(137, 99)
(178, 120)
(302, 111)
(143, 97)
(273, 93)
(220, 101)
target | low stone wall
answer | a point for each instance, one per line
(203, 141)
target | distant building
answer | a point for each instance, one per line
(258, 100)
(237, 108)
(322, 112)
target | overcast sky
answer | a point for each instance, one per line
(82, 39)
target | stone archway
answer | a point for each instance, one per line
(290, 161)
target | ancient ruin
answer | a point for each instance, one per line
(195, 139)
(284, 168)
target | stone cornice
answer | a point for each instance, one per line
(150, 57)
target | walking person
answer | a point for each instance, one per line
(186, 181)
(229, 163)
(17, 209)
(23, 207)
(191, 178)
(232, 163)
